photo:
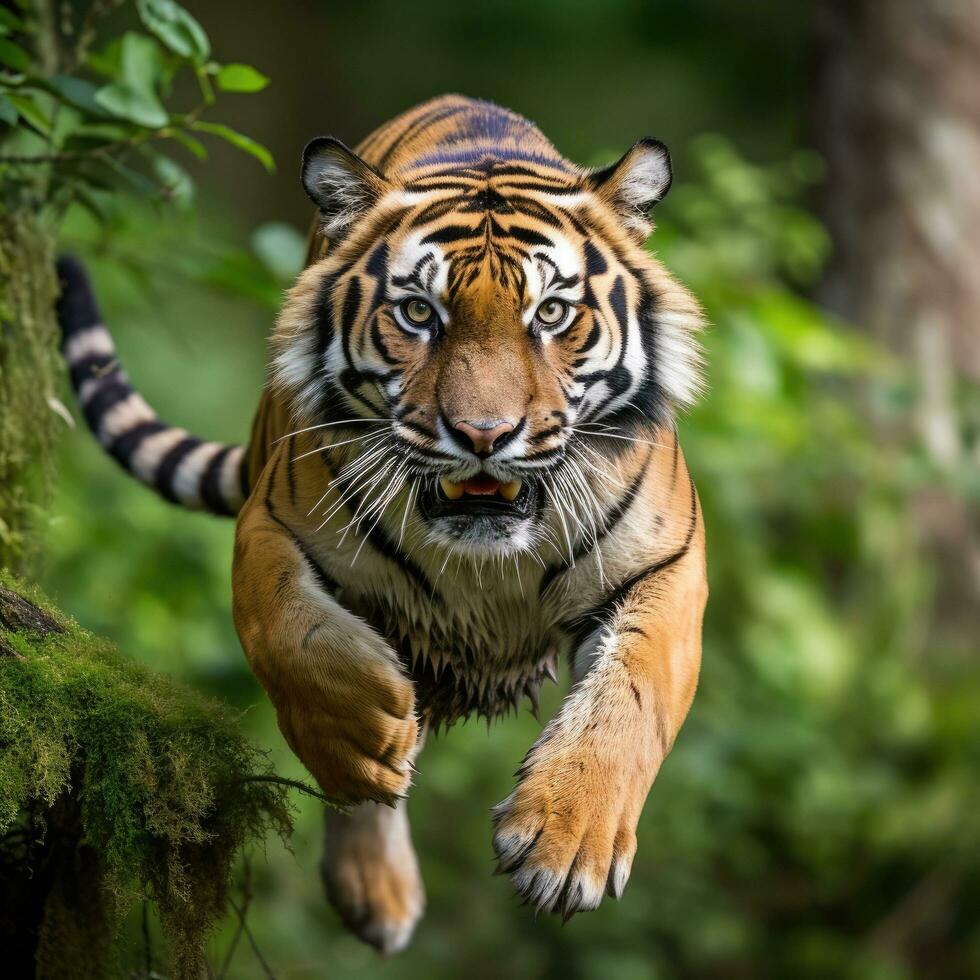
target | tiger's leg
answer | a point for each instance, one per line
(342, 700)
(371, 874)
(567, 833)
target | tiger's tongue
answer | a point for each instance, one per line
(481, 486)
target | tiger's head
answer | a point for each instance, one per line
(498, 316)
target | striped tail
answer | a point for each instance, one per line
(180, 467)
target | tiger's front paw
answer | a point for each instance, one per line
(567, 833)
(357, 736)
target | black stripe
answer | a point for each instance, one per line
(111, 393)
(124, 445)
(324, 327)
(595, 263)
(618, 512)
(609, 523)
(163, 479)
(92, 366)
(532, 209)
(454, 233)
(377, 266)
(426, 186)
(327, 583)
(76, 305)
(420, 429)
(211, 493)
(525, 235)
(291, 470)
(243, 476)
(544, 454)
(384, 545)
(587, 622)
(545, 434)
(348, 316)
(617, 302)
(427, 119)
(541, 188)
(513, 169)
(434, 211)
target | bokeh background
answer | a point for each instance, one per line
(818, 816)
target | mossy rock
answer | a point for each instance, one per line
(116, 785)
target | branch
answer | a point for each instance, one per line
(251, 939)
(294, 784)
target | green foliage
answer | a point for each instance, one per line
(176, 28)
(83, 116)
(159, 783)
(240, 78)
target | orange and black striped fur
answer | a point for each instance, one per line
(464, 469)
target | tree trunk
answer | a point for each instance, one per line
(896, 105)
(30, 369)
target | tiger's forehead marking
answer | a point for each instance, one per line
(421, 260)
(425, 267)
(411, 197)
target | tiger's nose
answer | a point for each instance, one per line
(483, 434)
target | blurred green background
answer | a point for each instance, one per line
(818, 815)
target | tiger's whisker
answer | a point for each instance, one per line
(326, 425)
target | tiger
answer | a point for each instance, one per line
(464, 472)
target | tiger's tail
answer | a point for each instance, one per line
(183, 469)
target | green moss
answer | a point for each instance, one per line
(30, 378)
(117, 785)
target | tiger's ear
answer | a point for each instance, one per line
(634, 184)
(339, 183)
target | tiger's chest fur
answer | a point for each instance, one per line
(487, 641)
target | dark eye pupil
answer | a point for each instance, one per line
(418, 312)
(551, 312)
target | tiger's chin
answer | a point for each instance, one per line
(482, 516)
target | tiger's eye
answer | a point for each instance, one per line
(552, 312)
(417, 311)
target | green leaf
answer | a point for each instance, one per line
(190, 144)
(134, 178)
(141, 62)
(105, 132)
(178, 30)
(241, 78)
(31, 112)
(175, 179)
(134, 96)
(127, 102)
(64, 124)
(10, 20)
(13, 55)
(85, 198)
(75, 91)
(281, 249)
(244, 143)
(8, 114)
(108, 61)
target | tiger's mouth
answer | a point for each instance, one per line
(480, 496)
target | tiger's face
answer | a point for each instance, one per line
(502, 324)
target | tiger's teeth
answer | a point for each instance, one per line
(453, 491)
(509, 491)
